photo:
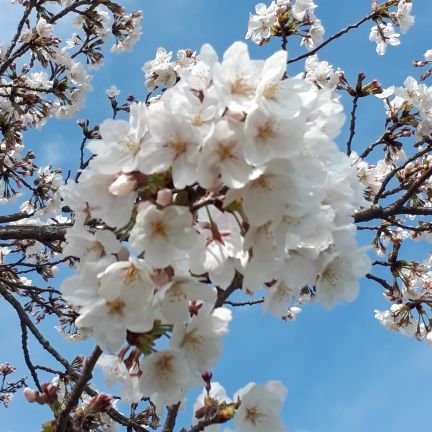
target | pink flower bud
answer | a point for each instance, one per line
(123, 254)
(160, 277)
(164, 197)
(30, 394)
(100, 403)
(123, 185)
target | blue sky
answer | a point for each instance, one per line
(344, 372)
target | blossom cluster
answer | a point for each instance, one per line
(384, 32)
(407, 315)
(414, 97)
(230, 179)
(163, 72)
(409, 110)
(43, 75)
(284, 18)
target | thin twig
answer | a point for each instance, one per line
(333, 37)
(352, 124)
(397, 205)
(382, 282)
(27, 359)
(22, 314)
(391, 174)
(24, 318)
(24, 18)
(15, 217)
(245, 303)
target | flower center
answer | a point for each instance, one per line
(270, 91)
(178, 146)
(261, 182)
(131, 274)
(331, 275)
(254, 415)
(197, 119)
(266, 131)
(132, 146)
(164, 364)
(224, 150)
(158, 228)
(97, 248)
(176, 292)
(116, 306)
(240, 86)
(192, 340)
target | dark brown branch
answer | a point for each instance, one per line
(27, 359)
(73, 397)
(42, 233)
(378, 212)
(23, 287)
(418, 229)
(411, 191)
(202, 424)
(27, 88)
(397, 208)
(352, 124)
(371, 147)
(23, 316)
(171, 418)
(245, 303)
(24, 18)
(10, 58)
(391, 174)
(72, 7)
(382, 282)
(15, 217)
(48, 369)
(223, 295)
(333, 37)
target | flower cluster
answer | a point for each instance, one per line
(284, 18)
(230, 179)
(412, 101)
(407, 315)
(50, 79)
(322, 73)
(7, 387)
(91, 413)
(384, 33)
(254, 407)
(162, 72)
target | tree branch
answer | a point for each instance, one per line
(352, 124)
(391, 174)
(378, 212)
(245, 303)
(15, 217)
(224, 294)
(22, 314)
(171, 418)
(81, 384)
(27, 359)
(42, 233)
(333, 37)
(382, 282)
